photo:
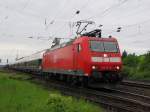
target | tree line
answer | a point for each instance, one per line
(136, 67)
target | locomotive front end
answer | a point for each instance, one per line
(106, 62)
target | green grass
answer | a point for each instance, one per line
(24, 96)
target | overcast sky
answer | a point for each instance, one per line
(20, 19)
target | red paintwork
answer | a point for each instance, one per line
(61, 58)
(68, 58)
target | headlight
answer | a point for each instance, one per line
(118, 67)
(105, 55)
(93, 67)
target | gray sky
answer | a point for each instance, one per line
(20, 19)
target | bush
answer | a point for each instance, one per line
(56, 103)
(131, 60)
(126, 71)
(59, 103)
(142, 75)
(136, 67)
(133, 73)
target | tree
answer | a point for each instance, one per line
(145, 64)
(131, 60)
(124, 54)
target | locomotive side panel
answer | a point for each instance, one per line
(60, 60)
(82, 57)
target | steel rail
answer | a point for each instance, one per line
(136, 84)
(128, 94)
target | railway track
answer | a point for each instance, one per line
(136, 84)
(128, 94)
(113, 99)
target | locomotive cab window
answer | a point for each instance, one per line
(79, 48)
(101, 46)
(110, 47)
(97, 46)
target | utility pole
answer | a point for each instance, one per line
(7, 61)
(17, 56)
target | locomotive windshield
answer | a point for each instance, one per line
(101, 46)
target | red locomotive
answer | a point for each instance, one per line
(86, 57)
(83, 59)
